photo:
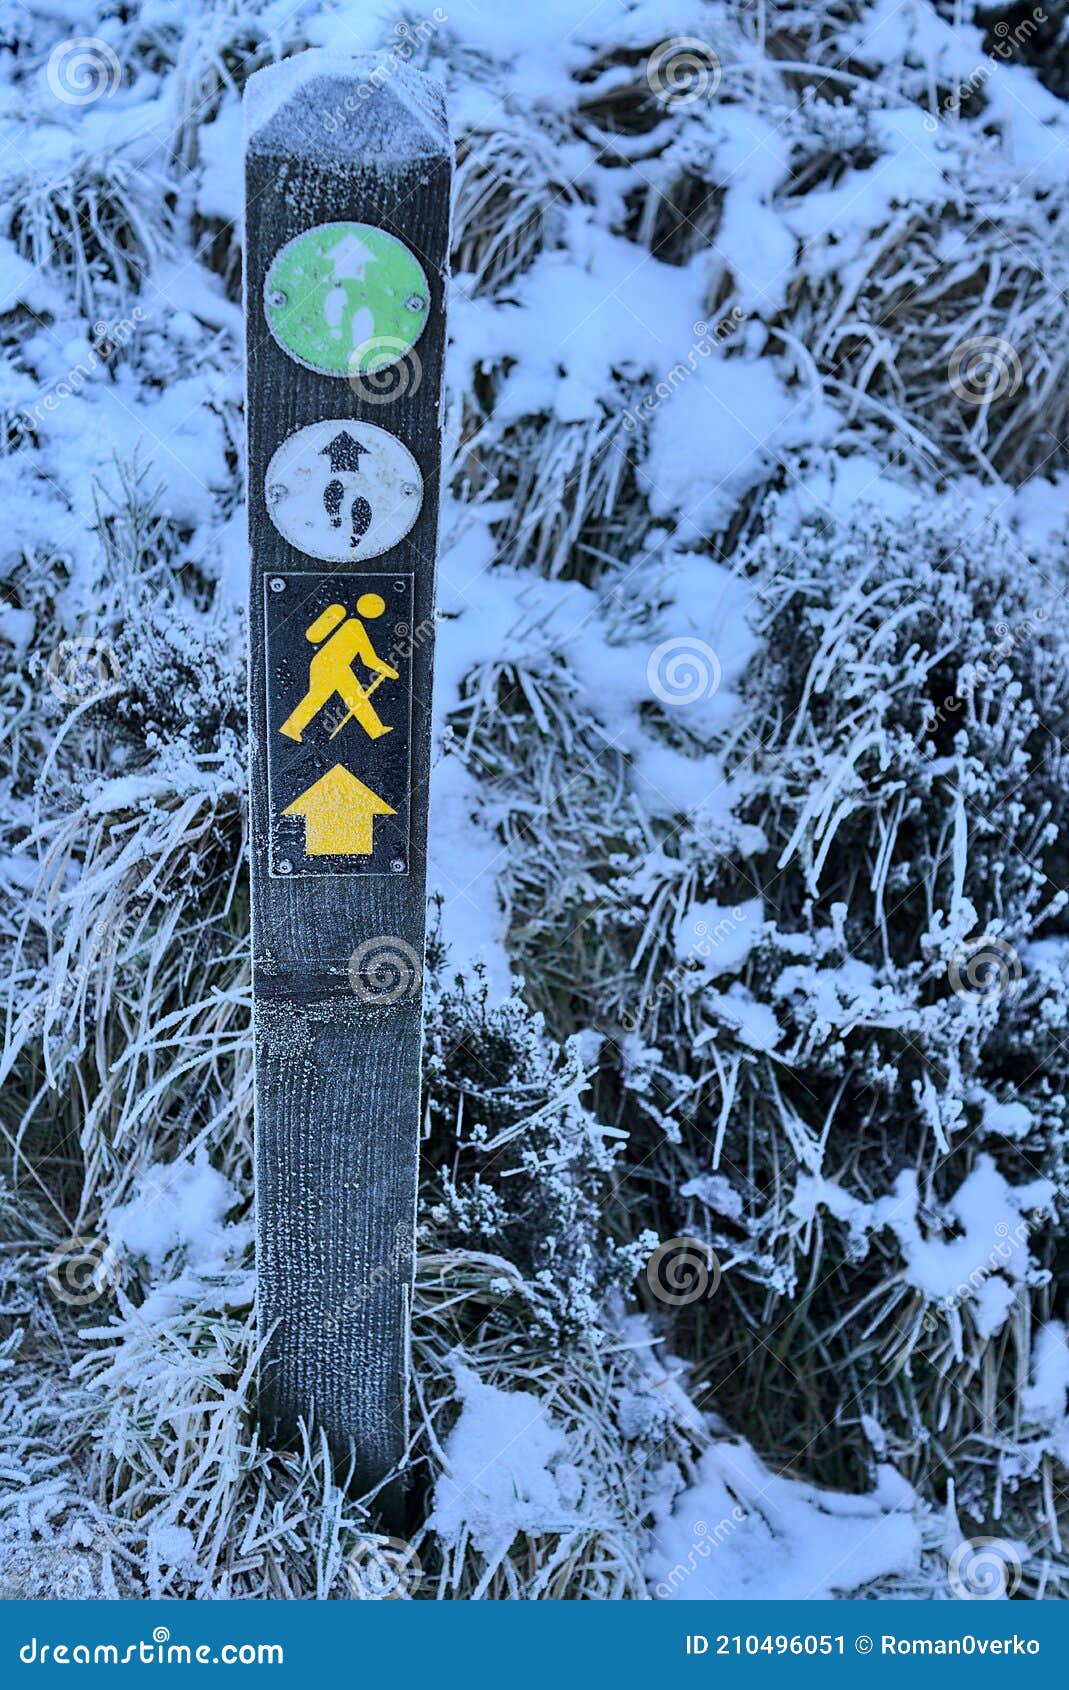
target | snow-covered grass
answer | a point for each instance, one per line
(749, 814)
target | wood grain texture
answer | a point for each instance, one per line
(337, 1078)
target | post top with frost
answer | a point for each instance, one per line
(368, 108)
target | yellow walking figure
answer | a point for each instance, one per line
(331, 669)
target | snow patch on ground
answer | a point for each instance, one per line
(507, 1471)
(741, 1532)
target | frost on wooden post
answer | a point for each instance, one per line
(347, 216)
(374, 112)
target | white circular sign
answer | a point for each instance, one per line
(343, 490)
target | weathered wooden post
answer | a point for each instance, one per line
(346, 239)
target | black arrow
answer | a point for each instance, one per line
(344, 453)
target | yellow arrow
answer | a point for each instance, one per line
(339, 813)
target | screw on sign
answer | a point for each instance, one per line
(346, 250)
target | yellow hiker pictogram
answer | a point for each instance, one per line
(339, 815)
(331, 669)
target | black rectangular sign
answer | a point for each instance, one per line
(339, 720)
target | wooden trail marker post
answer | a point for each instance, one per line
(348, 167)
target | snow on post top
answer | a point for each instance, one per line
(342, 110)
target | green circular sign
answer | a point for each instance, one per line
(346, 299)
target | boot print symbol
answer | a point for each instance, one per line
(359, 515)
(344, 453)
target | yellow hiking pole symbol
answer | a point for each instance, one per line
(331, 670)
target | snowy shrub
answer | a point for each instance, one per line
(906, 685)
(524, 1168)
(955, 351)
(98, 226)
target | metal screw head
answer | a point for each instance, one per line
(284, 866)
(415, 302)
(276, 298)
(276, 584)
(276, 492)
(398, 865)
(409, 489)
